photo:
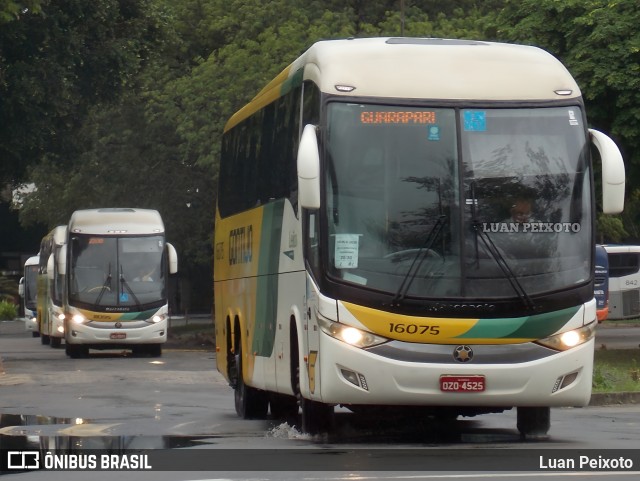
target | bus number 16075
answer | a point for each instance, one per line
(402, 328)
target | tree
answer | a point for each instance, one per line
(58, 60)
(10, 10)
(599, 42)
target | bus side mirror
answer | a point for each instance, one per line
(612, 172)
(309, 169)
(51, 267)
(173, 259)
(21, 287)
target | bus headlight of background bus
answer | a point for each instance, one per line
(61, 318)
(157, 318)
(569, 339)
(350, 335)
(79, 319)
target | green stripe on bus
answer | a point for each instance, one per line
(267, 289)
(537, 326)
(292, 82)
(136, 316)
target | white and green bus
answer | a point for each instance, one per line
(28, 290)
(117, 265)
(51, 287)
(408, 222)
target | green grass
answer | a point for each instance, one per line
(629, 322)
(191, 328)
(616, 370)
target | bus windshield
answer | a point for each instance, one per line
(117, 273)
(457, 203)
(30, 286)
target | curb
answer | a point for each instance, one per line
(614, 398)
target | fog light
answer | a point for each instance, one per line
(355, 378)
(564, 381)
(350, 376)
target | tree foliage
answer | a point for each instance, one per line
(56, 62)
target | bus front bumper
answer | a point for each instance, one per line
(86, 334)
(344, 374)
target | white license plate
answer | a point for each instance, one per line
(118, 335)
(453, 383)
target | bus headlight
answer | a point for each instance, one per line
(79, 319)
(61, 316)
(569, 339)
(350, 335)
(157, 318)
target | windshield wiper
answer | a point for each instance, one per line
(418, 259)
(124, 284)
(105, 286)
(495, 253)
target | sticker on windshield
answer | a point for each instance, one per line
(434, 133)
(572, 118)
(475, 121)
(346, 253)
(124, 297)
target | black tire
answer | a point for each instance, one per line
(147, 350)
(534, 422)
(76, 351)
(55, 342)
(283, 406)
(44, 339)
(315, 417)
(35, 334)
(155, 350)
(250, 403)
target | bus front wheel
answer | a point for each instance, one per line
(316, 417)
(76, 351)
(534, 422)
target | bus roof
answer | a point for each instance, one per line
(58, 234)
(32, 261)
(116, 221)
(423, 68)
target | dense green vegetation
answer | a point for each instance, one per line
(122, 102)
(616, 370)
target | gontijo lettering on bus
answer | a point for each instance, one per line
(241, 245)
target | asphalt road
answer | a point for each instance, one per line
(113, 402)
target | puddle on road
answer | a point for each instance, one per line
(32, 432)
(29, 432)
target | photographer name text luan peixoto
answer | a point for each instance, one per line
(586, 463)
(533, 227)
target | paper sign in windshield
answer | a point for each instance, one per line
(346, 254)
